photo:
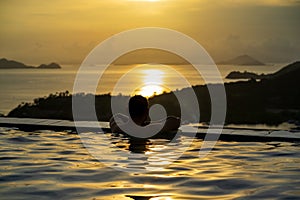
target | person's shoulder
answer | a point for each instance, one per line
(118, 120)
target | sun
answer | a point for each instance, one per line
(153, 80)
(148, 0)
(145, 0)
(150, 90)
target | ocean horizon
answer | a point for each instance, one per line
(24, 85)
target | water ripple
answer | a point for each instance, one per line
(49, 165)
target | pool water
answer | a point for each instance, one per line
(56, 165)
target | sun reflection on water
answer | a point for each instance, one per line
(161, 198)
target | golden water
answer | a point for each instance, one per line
(55, 165)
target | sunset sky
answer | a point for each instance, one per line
(65, 31)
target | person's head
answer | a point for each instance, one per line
(138, 107)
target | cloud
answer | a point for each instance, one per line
(227, 28)
(252, 2)
(279, 49)
(274, 49)
(278, 2)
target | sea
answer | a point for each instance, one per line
(24, 85)
(45, 164)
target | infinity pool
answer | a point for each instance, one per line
(56, 165)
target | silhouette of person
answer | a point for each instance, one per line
(139, 112)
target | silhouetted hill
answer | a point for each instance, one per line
(272, 101)
(49, 66)
(242, 60)
(11, 64)
(291, 68)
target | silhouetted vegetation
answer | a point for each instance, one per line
(245, 75)
(272, 101)
(251, 75)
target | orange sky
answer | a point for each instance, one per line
(64, 31)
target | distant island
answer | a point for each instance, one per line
(49, 66)
(272, 100)
(242, 60)
(245, 75)
(11, 64)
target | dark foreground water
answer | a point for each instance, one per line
(55, 165)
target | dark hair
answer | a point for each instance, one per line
(138, 106)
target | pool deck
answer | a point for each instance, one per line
(228, 134)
